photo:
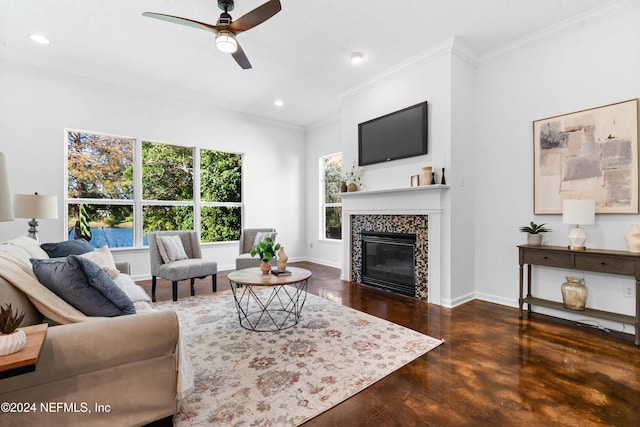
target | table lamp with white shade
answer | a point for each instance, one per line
(578, 212)
(6, 211)
(35, 206)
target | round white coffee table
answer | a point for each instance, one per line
(267, 302)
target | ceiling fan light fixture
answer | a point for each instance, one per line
(226, 42)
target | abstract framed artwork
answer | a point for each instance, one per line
(590, 155)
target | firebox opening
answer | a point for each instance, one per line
(388, 261)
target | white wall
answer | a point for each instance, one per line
(587, 66)
(321, 140)
(36, 106)
(461, 176)
(427, 77)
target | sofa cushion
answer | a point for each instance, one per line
(16, 252)
(29, 245)
(171, 248)
(66, 248)
(83, 284)
(104, 259)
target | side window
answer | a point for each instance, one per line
(331, 206)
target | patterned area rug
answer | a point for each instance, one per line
(284, 378)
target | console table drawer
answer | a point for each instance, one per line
(550, 259)
(605, 264)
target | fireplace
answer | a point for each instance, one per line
(412, 210)
(388, 261)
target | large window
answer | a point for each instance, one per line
(220, 196)
(120, 189)
(331, 206)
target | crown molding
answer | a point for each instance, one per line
(451, 46)
(567, 26)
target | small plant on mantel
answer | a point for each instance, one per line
(534, 236)
(11, 340)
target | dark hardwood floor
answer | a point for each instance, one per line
(494, 369)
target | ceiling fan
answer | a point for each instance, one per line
(226, 29)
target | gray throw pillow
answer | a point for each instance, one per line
(66, 248)
(261, 235)
(171, 248)
(84, 285)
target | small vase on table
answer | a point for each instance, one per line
(281, 263)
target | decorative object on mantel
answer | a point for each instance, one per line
(534, 238)
(343, 186)
(12, 339)
(574, 294)
(6, 211)
(415, 180)
(633, 239)
(426, 176)
(353, 178)
(442, 180)
(35, 206)
(578, 212)
(266, 250)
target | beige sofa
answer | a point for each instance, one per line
(124, 365)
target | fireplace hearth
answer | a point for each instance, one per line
(388, 261)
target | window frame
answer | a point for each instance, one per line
(137, 202)
(323, 204)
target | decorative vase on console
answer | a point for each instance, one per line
(633, 239)
(574, 294)
(282, 260)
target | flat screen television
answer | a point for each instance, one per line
(397, 135)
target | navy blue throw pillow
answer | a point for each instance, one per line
(84, 285)
(67, 247)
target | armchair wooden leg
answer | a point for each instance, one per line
(153, 288)
(214, 282)
(174, 284)
(193, 292)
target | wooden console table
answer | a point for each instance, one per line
(601, 261)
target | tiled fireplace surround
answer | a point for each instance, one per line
(414, 210)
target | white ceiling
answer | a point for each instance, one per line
(299, 55)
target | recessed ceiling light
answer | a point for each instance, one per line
(356, 57)
(39, 38)
(278, 102)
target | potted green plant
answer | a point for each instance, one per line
(12, 339)
(266, 250)
(534, 238)
(353, 177)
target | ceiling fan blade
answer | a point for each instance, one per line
(256, 16)
(184, 21)
(241, 58)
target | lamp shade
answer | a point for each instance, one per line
(6, 211)
(35, 206)
(579, 212)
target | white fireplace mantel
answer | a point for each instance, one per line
(422, 200)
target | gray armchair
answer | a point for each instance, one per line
(191, 268)
(247, 237)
